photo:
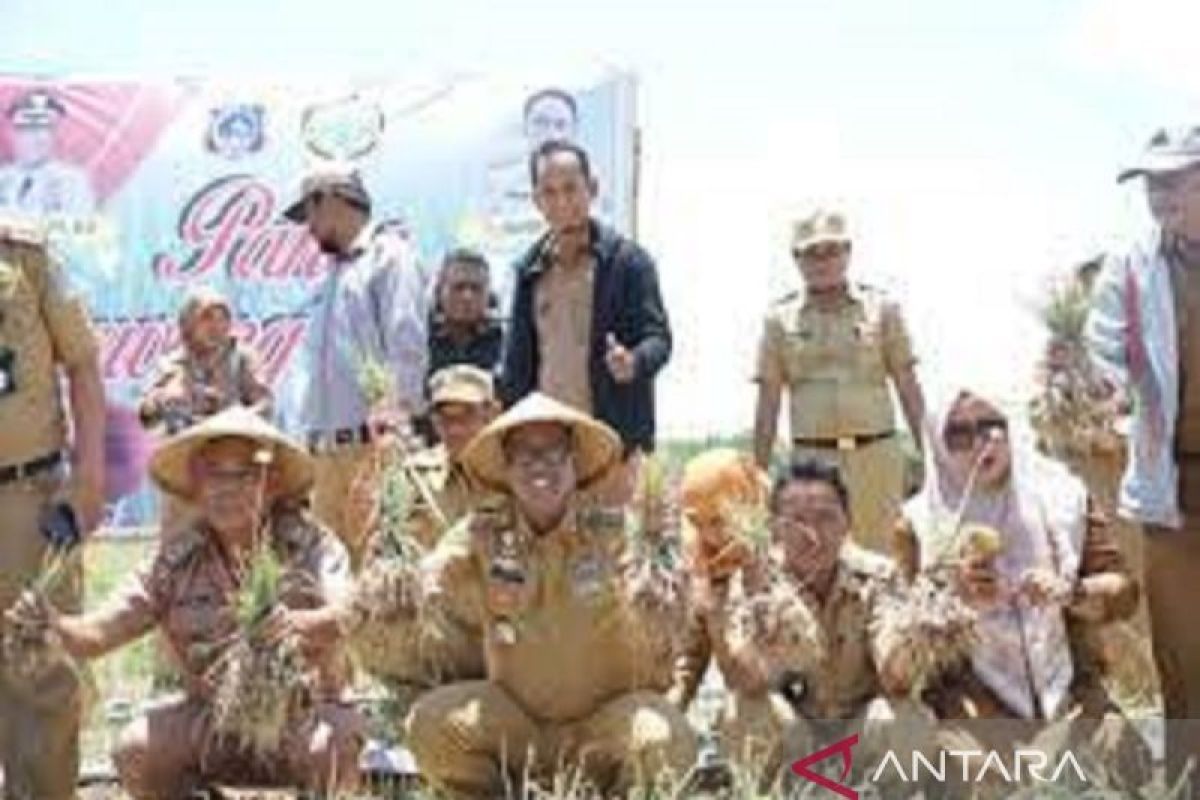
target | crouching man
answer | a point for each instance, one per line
(243, 477)
(812, 655)
(576, 622)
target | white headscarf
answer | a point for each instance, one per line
(1041, 516)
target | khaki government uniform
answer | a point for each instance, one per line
(574, 667)
(46, 327)
(189, 593)
(563, 311)
(843, 693)
(835, 366)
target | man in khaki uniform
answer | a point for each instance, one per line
(574, 624)
(464, 402)
(245, 479)
(808, 659)
(834, 348)
(44, 327)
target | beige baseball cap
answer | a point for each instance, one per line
(822, 226)
(462, 383)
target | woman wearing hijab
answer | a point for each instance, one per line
(1014, 532)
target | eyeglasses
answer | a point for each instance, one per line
(549, 457)
(819, 252)
(229, 476)
(960, 436)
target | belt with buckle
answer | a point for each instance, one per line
(342, 437)
(19, 472)
(844, 443)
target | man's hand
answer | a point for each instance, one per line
(32, 614)
(621, 362)
(1041, 587)
(1090, 601)
(316, 630)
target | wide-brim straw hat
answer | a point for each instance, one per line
(596, 446)
(171, 464)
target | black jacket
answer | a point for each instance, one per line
(627, 304)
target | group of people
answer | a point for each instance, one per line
(536, 617)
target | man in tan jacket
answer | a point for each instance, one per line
(573, 618)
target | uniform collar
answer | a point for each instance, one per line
(850, 298)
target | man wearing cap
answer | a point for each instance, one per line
(51, 488)
(36, 183)
(441, 492)
(244, 477)
(1144, 334)
(369, 313)
(588, 326)
(834, 347)
(574, 619)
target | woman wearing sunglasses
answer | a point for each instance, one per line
(1013, 532)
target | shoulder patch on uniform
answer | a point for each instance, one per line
(602, 519)
(492, 513)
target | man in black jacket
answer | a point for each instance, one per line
(588, 326)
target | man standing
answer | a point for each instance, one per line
(44, 504)
(1144, 333)
(588, 324)
(369, 316)
(835, 347)
(36, 182)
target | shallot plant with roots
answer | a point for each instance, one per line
(1072, 414)
(29, 649)
(769, 609)
(260, 683)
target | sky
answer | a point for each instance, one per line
(974, 145)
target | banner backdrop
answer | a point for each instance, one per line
(149, 189)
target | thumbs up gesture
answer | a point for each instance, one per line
(621, 362)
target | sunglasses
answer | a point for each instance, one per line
(820, 252)
(960, 436)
